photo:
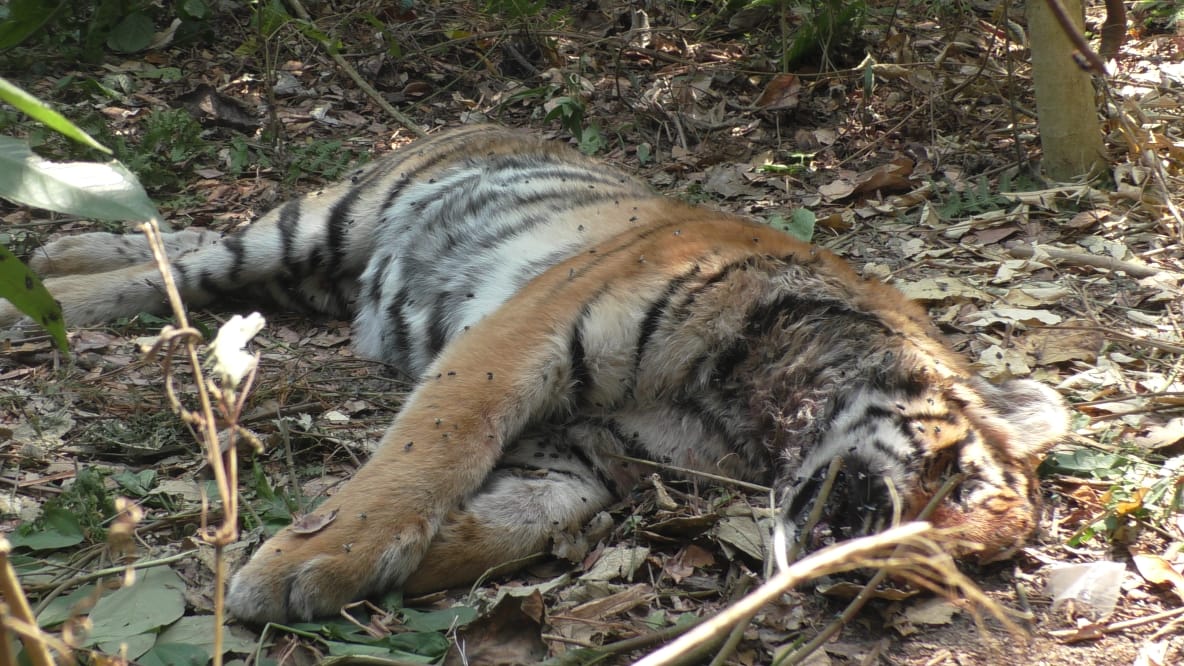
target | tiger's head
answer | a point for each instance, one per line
(898, 446)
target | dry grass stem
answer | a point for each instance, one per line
(19, 617)
(685, 471)
(224, 463)
(857, 553)
(1097, 630)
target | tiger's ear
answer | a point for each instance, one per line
(1035, 413)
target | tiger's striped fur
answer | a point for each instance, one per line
(557, 312)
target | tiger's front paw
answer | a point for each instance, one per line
(300, 574)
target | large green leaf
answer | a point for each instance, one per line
(133, 614)
(134, 33)
(87, 189)
(25, 18)
(198, 631)
(46, 115)
(24, 290)
(59, 529)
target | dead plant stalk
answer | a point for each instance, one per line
(839, 557)
(18, 617)
(229, 402)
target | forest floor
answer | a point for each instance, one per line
(911, 138)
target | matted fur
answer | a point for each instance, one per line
(555, 311)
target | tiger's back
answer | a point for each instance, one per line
(417, 245)
(558, 315)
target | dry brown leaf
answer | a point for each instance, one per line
(1133, 504)
(509, 634)
(1012, 316)
(996, 362)
(848, 590)
(1158, 571)
(1160, 436)
(743, 533)
(1055, 345)
(617, 562)
(696, 556)
(313, 522)
(892, 177)
(612, 605)
(681, 527)
(941, 289)
(933, 610)
(840, 188)
(1087, 219)
(782, 92)
(834, 222)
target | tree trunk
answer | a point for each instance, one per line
(1065, 102)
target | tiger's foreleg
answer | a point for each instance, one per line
(505, 373)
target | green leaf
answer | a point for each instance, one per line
(427, 643)
(440, 620)
(138, 484)
(134, 33)
(800, 224)
(46, 115)
(198, 631)
(88, 189)
(174, 654)
(1082, 462)
(156, 600)
(21, 287)
(61, 608)
(195, 9)
(271, 16)
(25, 18)
(60, 529)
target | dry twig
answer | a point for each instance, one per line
(362, 83)
(224, 463)
(844, 556)
(18, 616)
(1082, 259)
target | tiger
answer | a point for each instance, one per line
(558, 318)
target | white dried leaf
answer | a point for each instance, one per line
(226, 354)
(617, 562)
(743, 533)
(941, 289)
(1092, 587)
(1013, 316)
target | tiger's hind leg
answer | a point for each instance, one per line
(544, 486)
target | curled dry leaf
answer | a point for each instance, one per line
(313, 522)
(942, 289)
(509, 634)
(1158, 571)
(1161, 436)
(782, 92)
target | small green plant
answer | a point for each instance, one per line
(328, 159)
(169, 145)
(973, 200)
(83, 28)
(1158, 14)
(1141, 491)
(810, 28)
(979, 198)
(79, 514)
(515, 9)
